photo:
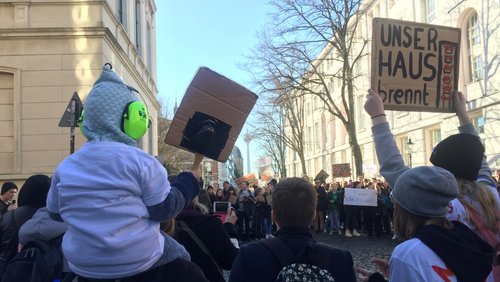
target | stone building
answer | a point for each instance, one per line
(326, 138)
(51, 49)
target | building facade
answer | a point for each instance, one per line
(479, 78)
(51, 49)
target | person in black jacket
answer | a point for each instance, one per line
(212, 236)
(32, 196)
(321, 206)
(294, 207)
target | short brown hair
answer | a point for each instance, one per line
(294, 202)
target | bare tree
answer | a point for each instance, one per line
(280, 124)
(175, 160)
(270, 134)
(306, 38)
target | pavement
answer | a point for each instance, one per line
(362, 248)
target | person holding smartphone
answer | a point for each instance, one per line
(211, 243)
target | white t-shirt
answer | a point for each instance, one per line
(413, 261)
(102, 191)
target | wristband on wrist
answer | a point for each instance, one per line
(381, 115)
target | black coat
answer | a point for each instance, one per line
(9, 229)
(256, 262)
(215, 236)
(322, 204)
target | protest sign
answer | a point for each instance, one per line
(341, 170)
(211, 115)
(415, 65)
(321, 176)
(360, 197)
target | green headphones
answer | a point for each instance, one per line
(134, 122)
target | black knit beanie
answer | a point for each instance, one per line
(6, 186)
(460, 154)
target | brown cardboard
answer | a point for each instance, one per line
(321, 176)
(232, 199)
(341, 170)
(211, 94)
(418, 70)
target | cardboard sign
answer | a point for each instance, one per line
(252, 180)
(321, 176)
(360, 197)
(211, 115)
(341, 170)
(232, 199)
(414, 65)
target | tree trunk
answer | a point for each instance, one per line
(351, 128)
(303, 162)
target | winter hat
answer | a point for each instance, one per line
(34, 191)
(425, 191)
(6, 186)
(104, 109)
(461, 154)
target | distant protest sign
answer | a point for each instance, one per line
(414, 65)
(360, 197)
(341, 170)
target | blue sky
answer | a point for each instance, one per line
(212, 33)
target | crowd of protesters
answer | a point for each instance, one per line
(128, 220)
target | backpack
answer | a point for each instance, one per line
(295, 268)
(38, 261)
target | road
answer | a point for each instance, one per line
(362, 248)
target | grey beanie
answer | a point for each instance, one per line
(425, 191)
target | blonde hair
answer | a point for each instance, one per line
(168, 226)
(407, 224)
(479, 192)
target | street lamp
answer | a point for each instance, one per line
(247, 138)
(409, 145)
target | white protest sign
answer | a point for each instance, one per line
(360, 197)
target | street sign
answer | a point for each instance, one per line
(70, 116)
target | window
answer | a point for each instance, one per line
(478, 123)
(360, 121)
(431, 10)
(474, 49)
(435, 136)
(121, 12)
(405, 150)
(316, 135)
(150, 49)
(138, 27)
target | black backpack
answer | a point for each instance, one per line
(310, 264)
(38, 261)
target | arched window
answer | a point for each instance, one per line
(474, 48)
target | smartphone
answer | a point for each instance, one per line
(221, 206)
